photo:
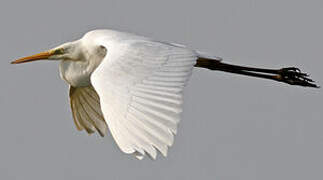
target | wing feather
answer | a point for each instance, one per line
(140, 84)
(81, 116)
(86, 110)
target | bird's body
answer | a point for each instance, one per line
(138, 80)
(133, 85)
(77, 73)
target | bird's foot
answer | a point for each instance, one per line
(294, 76)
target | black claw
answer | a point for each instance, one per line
(294, 76)
(292, 69)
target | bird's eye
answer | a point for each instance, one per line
(59, 51)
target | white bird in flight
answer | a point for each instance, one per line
(133, 85)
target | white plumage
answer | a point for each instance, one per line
(129, 84)
(133, 85)
(140, 83)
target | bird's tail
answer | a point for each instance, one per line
(289, 75)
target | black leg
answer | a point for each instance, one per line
(290, 75)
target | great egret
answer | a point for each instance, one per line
(133, 85)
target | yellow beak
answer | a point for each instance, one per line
(39, 56)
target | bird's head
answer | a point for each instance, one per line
(67, 51)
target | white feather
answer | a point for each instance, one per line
(140, 84)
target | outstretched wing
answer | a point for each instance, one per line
(87, 114)
(140, 84)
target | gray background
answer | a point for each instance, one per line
(233, 127)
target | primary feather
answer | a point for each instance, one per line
(140, 84)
